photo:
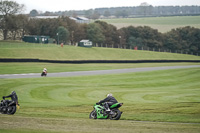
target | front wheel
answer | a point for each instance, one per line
(116, 115)
(11, 110)
(93, 114)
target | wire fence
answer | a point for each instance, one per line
(149, 49)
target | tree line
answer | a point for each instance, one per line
(143, 10)
(66, 30)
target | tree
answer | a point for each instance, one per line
(94, 33)
(17, 25)
(107, 13)
(95, 15)
(63, 35)
(33, 13)
(186, 39)
(109, 31)
(88, 13)
(79, 34)
(134, 42)
(145, 9)
(8, 8)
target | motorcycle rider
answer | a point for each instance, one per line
(44, 72)
(14, 98)
(108, 101)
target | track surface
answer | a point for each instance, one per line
(97, 72)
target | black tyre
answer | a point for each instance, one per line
(116, 115)
(3, 110)
(93, 115)
(11, 110)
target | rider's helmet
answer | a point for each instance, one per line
(109, 95)
(13, 93)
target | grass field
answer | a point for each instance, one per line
(154, 102)
(163, 24)
(64, 104)
(55, 52)
(20, 68)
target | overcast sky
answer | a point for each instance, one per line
(63, 5)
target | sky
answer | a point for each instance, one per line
(66, 5)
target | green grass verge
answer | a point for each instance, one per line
(55, 52)
(55, 125)
(64, 104)
(19, 68)
(171, 95)
(163, 24)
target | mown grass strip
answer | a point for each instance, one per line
(170, 95)
(19, 68)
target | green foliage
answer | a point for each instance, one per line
(110, 33)
(132, 41)
(33, 13)
(63, 35)
(186, 39)
(10, 8)
(7, 10)
(94, 33)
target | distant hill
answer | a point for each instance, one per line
(162, 24)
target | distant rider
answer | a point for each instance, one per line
(14, 98)
(108, 101)
(45, 70)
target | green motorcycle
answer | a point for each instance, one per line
(100, 113)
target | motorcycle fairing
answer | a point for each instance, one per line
(100, 113)
(116, 105)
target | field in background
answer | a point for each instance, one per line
(55, 52)
(163, 24)
(64, 104)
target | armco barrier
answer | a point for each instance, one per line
(93, 61)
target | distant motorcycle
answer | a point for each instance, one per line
(44, 73)
(8, 107)
(100, 113)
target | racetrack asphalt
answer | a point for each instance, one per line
(96, 72)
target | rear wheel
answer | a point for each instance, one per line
(3, 110)
(116, 115)
(93, 114)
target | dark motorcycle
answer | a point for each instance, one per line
(100, 113)
(44, 73)
(8, 107)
